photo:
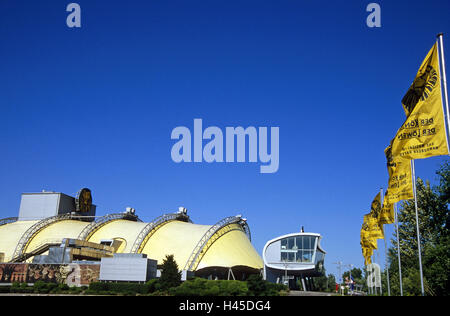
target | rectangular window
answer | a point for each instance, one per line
(299, 256)
(291, 256)
(307, 242)
(291, 241)
(299, 242)
(307, 256)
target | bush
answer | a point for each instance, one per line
(203, 287)
(76, 289)
(153, 286)
(17, 287)
(42, 287)
(275, 289)
(123, 288)
(256, 285)
(259, 287)
(97, 287)
(62, 287)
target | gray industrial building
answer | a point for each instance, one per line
(127, 267)
(34, 206)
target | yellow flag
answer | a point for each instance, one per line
(375, 207)
(400, 185)
(387, 212)
(367, 254)
(367, 246)
(373, 227)
(423, 133)
(366, 240)
(368, 243)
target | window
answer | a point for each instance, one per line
(291, 242)
(307, 255)
(299, 242)
(297, 249)
(291, 256)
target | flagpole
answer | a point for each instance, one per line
(417, 225)
(398, 250)
(385, 245)
(440, 37)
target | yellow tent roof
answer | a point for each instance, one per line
(226, 248)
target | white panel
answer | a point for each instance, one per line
(38, 206)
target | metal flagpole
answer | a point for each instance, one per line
(417, 225)
(440, 37)
(379, 261)
(385, 246)
(387, 267)
(398, 250)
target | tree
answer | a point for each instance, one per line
(434, 238)
(170, 276)
(325, 283)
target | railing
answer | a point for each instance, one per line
(212, 234)
(31, 232)
(99, 222)
(153, 226)
(8, 220)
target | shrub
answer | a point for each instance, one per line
(21, 288)
(275, 289)
(203, 287)
(259, 287)
(76, 289)
(233, 288)
(97, 287)
(153, 286)
(256, 285)
(43, 287)
(123, 288)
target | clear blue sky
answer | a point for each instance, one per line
(95, 106)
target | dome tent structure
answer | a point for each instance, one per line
(206, 249)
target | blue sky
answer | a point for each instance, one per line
(95, 106)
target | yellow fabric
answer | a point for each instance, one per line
(366, 240)
(56, 232)
(124, 230)
(423, 133)
(177, 238)
(387, 212)
(10, 235)
(367, 254)
(375, 207)
(400, 185)
(372, 219)
(239, 251)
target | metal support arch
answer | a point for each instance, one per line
(212, 234)
(149, 229)
(8, 220)
(98, 223)
(31, 232)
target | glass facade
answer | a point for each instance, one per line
(298, 249)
